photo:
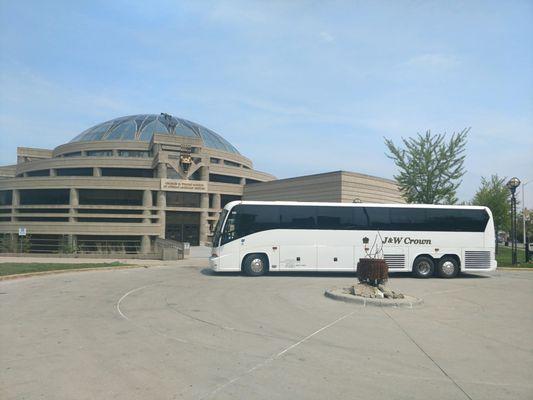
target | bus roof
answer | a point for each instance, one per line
(306, 203)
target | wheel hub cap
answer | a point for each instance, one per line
(424, 268)
(256, 265)
(448, 267)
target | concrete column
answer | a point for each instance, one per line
(147, 204)
(162, 170)
(146, 246)
(53, 172)
(204, 201)
(74, 202)
(161, 204)
(97, 171)
(243, 181)
(72, 241)
(15, 202)
(204, 173)
(15, 198)
(204, 227)
(115, 153)
(216, 201)
(147, 198)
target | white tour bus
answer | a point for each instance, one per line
(261, 236)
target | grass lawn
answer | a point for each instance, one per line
(504, 258)
(24, 268)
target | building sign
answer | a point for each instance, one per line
(22, 231)
(181, 185)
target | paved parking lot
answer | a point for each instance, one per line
(171, 333)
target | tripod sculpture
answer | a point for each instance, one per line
(373, 269)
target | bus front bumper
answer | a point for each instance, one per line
(214, 263)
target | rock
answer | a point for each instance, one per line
(365, 290)
(389, 293)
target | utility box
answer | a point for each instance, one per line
(186, 249)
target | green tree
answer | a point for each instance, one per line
(430, 167)
(495, 195)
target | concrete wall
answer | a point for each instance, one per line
(320, 187)
(369, 189)
(338, 186)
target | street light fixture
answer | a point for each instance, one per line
(512, 185)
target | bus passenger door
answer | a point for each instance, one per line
(297, 258)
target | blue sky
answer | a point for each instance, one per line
(297, 86)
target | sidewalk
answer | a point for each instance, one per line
(188, 262)
(198, 256)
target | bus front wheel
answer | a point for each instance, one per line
(255, 264)
(448, 267)
(423, 267)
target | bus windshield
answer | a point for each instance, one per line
(218, 227)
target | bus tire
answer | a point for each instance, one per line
(448, 267)
(423, 267)
(255, 264)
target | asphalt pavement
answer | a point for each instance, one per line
(185, 333)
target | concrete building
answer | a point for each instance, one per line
(337, 186)
(122, 184)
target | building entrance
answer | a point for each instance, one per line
(183, 227)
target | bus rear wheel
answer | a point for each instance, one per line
(423, 267)
(255, 264)
(448, 267)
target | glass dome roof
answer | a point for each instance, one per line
(142, 127)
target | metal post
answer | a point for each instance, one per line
(524, 212)
(527, 250)
(523, 216)
(512, 185)
(513, 228)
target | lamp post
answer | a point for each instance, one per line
(524, 212)
(512, 185)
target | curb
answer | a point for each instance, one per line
(514, 269)
(407, 302)
(62, 271)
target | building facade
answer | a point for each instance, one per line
(122, 184)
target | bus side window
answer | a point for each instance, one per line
(328, 217)
(378, 217)
(294, 217)
(359, 218)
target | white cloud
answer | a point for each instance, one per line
(433, 61)
(326, 37)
